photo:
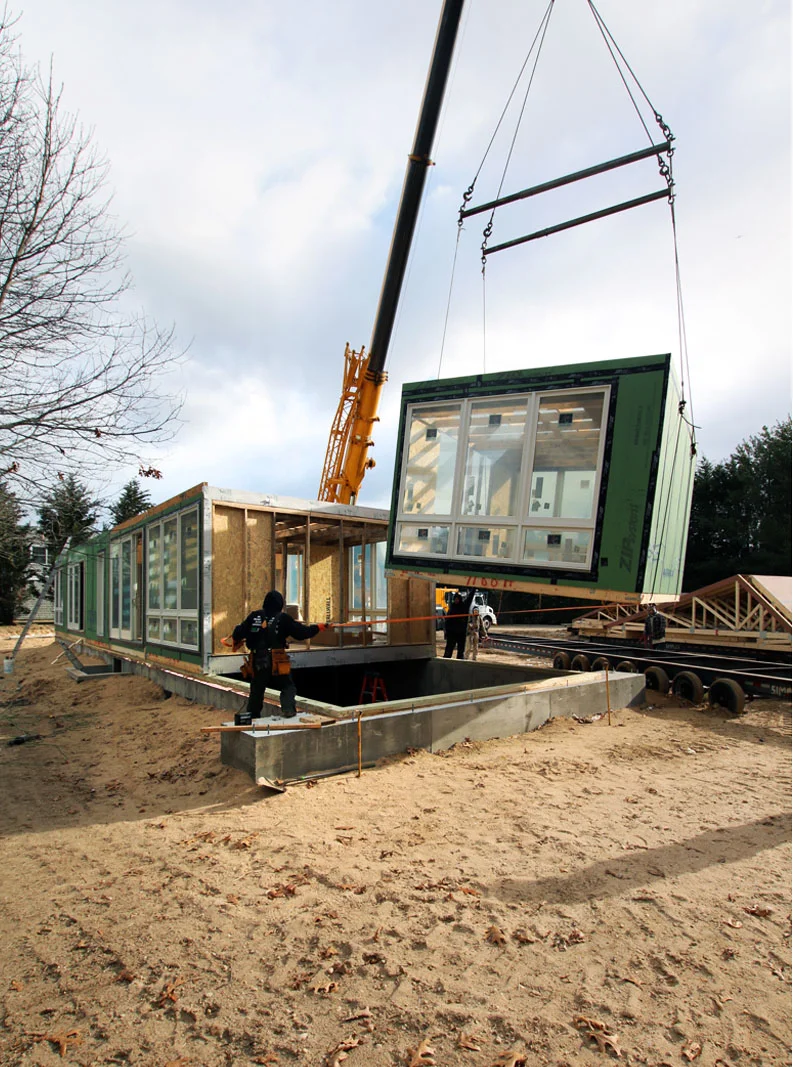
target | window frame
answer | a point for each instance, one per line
(173, 618)
(457, 520)
(75, 596)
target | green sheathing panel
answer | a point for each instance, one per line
(643, 415)
(671, 511)
(634, 440)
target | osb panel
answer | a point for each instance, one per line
(228, 572)
(422, 605)
(323, 590)
(399, 608)
(260, 576)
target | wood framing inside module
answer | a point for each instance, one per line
(251, 549)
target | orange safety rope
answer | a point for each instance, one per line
(584, 608)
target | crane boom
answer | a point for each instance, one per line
(347, 459)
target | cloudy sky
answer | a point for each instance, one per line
(257, 153)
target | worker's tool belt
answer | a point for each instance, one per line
(274, 661)
(280, 661)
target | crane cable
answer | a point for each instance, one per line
(470, 190)
(666, 173)
(685, 372)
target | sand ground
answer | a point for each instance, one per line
(584, 894)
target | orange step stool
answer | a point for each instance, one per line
(372, 688)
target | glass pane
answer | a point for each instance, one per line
(355, 577)
(565, 456)
(424, 540)
(189, 529)
(169, 630)
(169, 565)
(556, 546)
(126, 585)
(115, 584)
(100, 594)
(494, 450)
(380, 583)
(432, 451)
(188, 632)
(153, 629)
(294, 578)
(487, 542)
(155, 566)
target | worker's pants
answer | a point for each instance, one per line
(264, 680)
(455, 642)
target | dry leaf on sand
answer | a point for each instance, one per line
(599, 1033)
(423, 1056)
(468, 1041)
(338, 1054)
(510, 1059)
(495, 936)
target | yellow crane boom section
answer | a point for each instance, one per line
(347, 459)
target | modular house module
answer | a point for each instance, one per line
(168, 585)
(570, 480)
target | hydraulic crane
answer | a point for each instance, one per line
(347, 458)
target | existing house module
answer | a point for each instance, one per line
(168, 585)
(573, 479)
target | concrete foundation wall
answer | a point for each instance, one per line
(291, 755)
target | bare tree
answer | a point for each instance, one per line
(79, 378)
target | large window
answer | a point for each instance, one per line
(172, 580)
(123, 586)
(368, 587)
(510, 479)
(100, 594)
(57, 603)
(74, 596)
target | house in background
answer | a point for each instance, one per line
(41, 561)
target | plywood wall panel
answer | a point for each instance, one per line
(260, 573)
(228, 572)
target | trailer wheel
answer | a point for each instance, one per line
(561, 661)
(580, 662)
(688, 686)
(601, 664)
(627, 666)
(726, 693)
(487, 623)
(656, 678)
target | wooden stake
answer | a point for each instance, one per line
(359, 744)
(608, 696)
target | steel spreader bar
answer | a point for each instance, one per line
(579, 221)
(600, 168)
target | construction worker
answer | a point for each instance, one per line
(477, 632)
(654, 627)
(266, 632)
(456, 624)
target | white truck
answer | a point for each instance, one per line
(443, 598)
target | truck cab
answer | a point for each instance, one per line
(443, 597)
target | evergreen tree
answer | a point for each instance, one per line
(132, 502)
(741, 511)
(68, 510)
(14, 553)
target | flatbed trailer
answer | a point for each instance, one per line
(727, 677)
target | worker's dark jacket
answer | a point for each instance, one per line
(270, 627)
(456, 618)
(655, 627)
